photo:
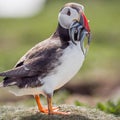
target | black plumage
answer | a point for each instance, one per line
(38, 62)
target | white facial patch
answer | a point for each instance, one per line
(66, 17)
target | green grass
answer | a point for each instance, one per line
(109, 107)
(19, 35)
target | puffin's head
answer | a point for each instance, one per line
(71, 12)
(71, 18)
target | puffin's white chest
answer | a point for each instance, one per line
(71, 61)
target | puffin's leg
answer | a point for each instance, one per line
(40, 107)
(50, 108)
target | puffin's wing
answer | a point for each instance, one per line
(37, 50)
(37, 61)
(15, 72)
(35, 64)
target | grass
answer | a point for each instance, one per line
(109, 107)
(19, 35)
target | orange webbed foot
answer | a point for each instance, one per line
(45, 110)
(58, 113)
(55, 111)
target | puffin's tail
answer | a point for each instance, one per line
(1, 84)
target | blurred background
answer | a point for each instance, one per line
(24, 23)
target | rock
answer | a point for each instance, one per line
(77, 113)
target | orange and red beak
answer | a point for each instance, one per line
(85, 22)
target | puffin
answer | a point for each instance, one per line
(53, 62)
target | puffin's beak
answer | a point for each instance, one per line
(84, 22)
(84, 32)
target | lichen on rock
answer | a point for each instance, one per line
(31, 113)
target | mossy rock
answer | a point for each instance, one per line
(77, 113)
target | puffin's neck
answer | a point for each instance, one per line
(62, 33)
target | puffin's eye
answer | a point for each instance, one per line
(68, 12)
